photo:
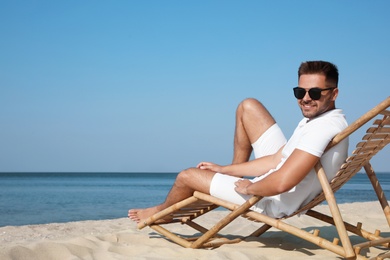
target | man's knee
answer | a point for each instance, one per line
(251, 105)
(185, 176)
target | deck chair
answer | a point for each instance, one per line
(376, 138)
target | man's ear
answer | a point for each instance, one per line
(335, 93)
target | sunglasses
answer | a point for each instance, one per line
(314, 93)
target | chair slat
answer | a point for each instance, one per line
(385, 130)
(385, 112)
(383, 136)
(383, 122)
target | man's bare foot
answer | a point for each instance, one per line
(140, 214)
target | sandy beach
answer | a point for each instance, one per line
(120, 239)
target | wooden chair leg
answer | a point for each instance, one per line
(225, 221)
(378, 190)
(357, 230)
(260, 230)
(334, 209)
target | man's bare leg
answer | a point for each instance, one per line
(186, 183)
(252, 120)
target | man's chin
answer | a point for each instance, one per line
(308, 114)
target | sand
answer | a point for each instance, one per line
(120, 239)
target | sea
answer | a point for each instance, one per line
(40, 198)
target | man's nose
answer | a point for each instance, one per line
(306, 97)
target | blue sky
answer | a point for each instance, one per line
(152, 86)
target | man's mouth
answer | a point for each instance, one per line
(307, 105)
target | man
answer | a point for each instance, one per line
(283, 172)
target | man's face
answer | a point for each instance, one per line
(312, 108)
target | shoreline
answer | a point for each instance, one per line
(119, 218)
(120, 239)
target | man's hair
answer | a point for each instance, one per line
(325, 68)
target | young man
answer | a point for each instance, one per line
(283, 172)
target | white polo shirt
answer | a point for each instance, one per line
(311, 136)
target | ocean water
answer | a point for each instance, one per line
(39, 198)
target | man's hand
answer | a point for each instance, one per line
(209, 166)
(242, 185)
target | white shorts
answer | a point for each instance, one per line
(269, 142)
(222, 186)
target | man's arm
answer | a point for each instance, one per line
(254, 168)
(293, 171)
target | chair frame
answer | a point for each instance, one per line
(377, 137)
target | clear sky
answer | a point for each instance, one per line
(152, 86)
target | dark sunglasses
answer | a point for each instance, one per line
(314, 93)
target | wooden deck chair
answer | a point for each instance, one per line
(377, 137)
